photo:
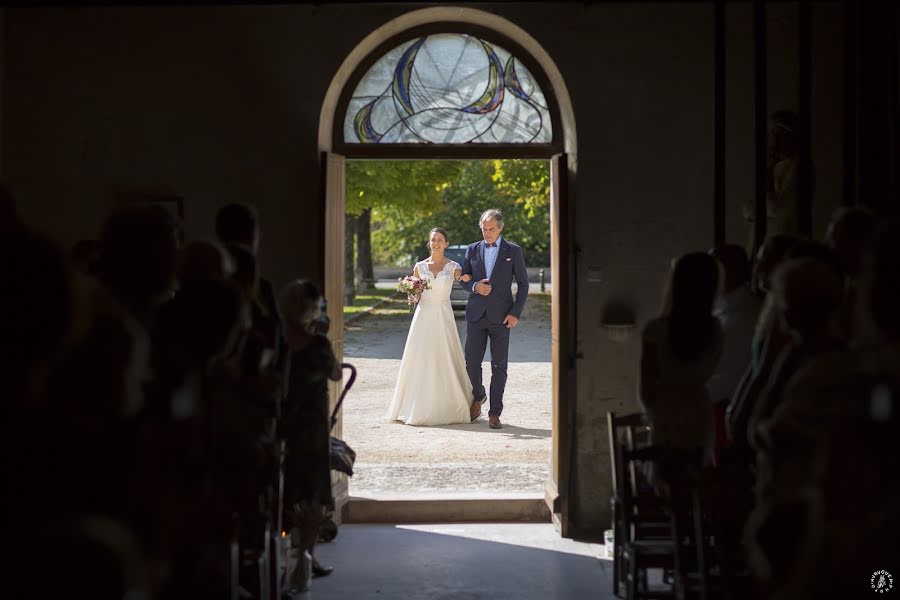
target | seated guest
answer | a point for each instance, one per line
(680, 350)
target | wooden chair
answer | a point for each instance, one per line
(684, 472)
(649, 542)
(637, 516)
(652, 532)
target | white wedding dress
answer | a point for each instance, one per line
(432, 388)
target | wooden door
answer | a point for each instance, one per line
(333, 166)
(557, 496)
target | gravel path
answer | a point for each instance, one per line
(396, 459)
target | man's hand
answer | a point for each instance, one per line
(511, 321)
(483, 287)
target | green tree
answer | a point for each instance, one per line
(403, 200)
(392, 190)
(519, 188)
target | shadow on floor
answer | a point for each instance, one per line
(510, 431)
(374, 561)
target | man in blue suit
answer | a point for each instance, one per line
(491, 312)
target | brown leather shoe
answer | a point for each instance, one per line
(475, 409)
(495, 422)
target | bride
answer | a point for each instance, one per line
(433, 388)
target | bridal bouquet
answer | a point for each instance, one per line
(413, 287)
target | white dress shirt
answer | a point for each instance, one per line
(490, 257)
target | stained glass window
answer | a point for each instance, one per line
(447, 88)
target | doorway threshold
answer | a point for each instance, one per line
(445, 507)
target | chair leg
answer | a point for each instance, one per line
(679, 570)
(631, 580)
(617, 572)
(700, 545)
(262, 566)
(619, 567)
(234, 562)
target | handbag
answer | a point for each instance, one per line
(342, 456)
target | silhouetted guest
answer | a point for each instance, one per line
(849, 234)
(782, 206)
(138, 257)
(767, 341)
(809, 294)
(188, 438)
(238, 225)
(205, 321)
(768, 257)
(84, 254)
(680, 350)
(261, 344)
(38, 312)
(305, 423)
(832, 509)
(202, 259)
(737, 309)
(819, 398)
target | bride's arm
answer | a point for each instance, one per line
(464, 279)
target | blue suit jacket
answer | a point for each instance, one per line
(510, 266)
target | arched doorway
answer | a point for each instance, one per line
(340, 138)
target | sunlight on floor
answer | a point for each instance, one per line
(543, 537)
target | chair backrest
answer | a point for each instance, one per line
(626, 432)
(621, 432)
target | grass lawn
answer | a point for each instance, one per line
(365, 300)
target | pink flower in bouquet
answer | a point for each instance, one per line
(413, 287)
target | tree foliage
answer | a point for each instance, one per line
(408, 187)
(408, 198)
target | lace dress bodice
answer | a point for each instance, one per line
(440, 285)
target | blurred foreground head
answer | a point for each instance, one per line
(138, 257)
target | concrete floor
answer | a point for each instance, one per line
(462, 562)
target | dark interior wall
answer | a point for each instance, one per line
(827, 103)
(2, 79)
(222, 103)
(213, 104)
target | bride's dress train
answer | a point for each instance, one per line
(432, 387)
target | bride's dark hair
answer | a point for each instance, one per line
(441, 231)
